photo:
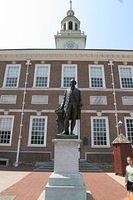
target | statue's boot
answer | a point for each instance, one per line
(65, 132)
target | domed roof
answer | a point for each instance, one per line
(70, 13)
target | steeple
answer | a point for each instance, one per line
(70, 12)
(70, 35)
(70, 4)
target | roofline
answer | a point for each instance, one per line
(34, 49)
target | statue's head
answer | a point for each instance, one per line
(73, 82)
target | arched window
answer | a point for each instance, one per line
(76, 26)
(70, 25)
(64, 26)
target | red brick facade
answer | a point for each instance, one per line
(30, 154)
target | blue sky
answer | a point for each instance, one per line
(108, 24)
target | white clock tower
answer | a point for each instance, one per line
(70, 35)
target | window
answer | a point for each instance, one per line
(39, 99)
(42, 73)
(70, 25)
(98, 100)
(6, 127)
(126, 76)
(127, 100)
(8, 99)
(68, 72)
(76, 26)
(38, 131)
(64, 26)
(129, 128)
(12, 76)
(100, 132)
(96, 76)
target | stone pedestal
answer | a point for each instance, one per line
(66, 183)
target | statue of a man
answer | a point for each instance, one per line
(72, 107)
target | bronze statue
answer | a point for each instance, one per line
(60, 119)
(70, 109)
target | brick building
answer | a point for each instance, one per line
(32, 84)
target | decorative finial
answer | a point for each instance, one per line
(70, 4)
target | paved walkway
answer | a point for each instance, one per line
(30, 187)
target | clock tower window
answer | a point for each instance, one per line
(76, 27)
(64, 26)
(70, 25)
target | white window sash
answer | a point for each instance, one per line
(6, 72)
(120, 77)
(107, 133)
(103, 75)
(62, 79)
(125, 119)
(30, 132)
(35, 75)
(12, 123)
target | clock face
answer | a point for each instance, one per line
(70, 45)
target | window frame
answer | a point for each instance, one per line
(103, 74)
(12, 125)
(107, 133)
(124, 66)
(45, 132)
(35, 73)
(62, 74)
(5, 75)
(125, 118)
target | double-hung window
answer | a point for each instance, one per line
(99, 132)
(42, 74)
(96, 76)
(69, 72)
(38, 131)
(126, 76)
(12, 74)
(6, 128)
(129, 128)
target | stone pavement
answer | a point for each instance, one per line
(30, 185)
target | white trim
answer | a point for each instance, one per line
(8, 99)
(62, 74)
(93, 100)
(107, 133)
(8, 116)
(63, 89)
(5, 76)
(125, 118)
(65, 55)
(53, 111)
(124, 66)
(39, 99)
(103, 75)
(127, 100)
(45, 132)
(34, 82)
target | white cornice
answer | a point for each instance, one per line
(74, 55)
